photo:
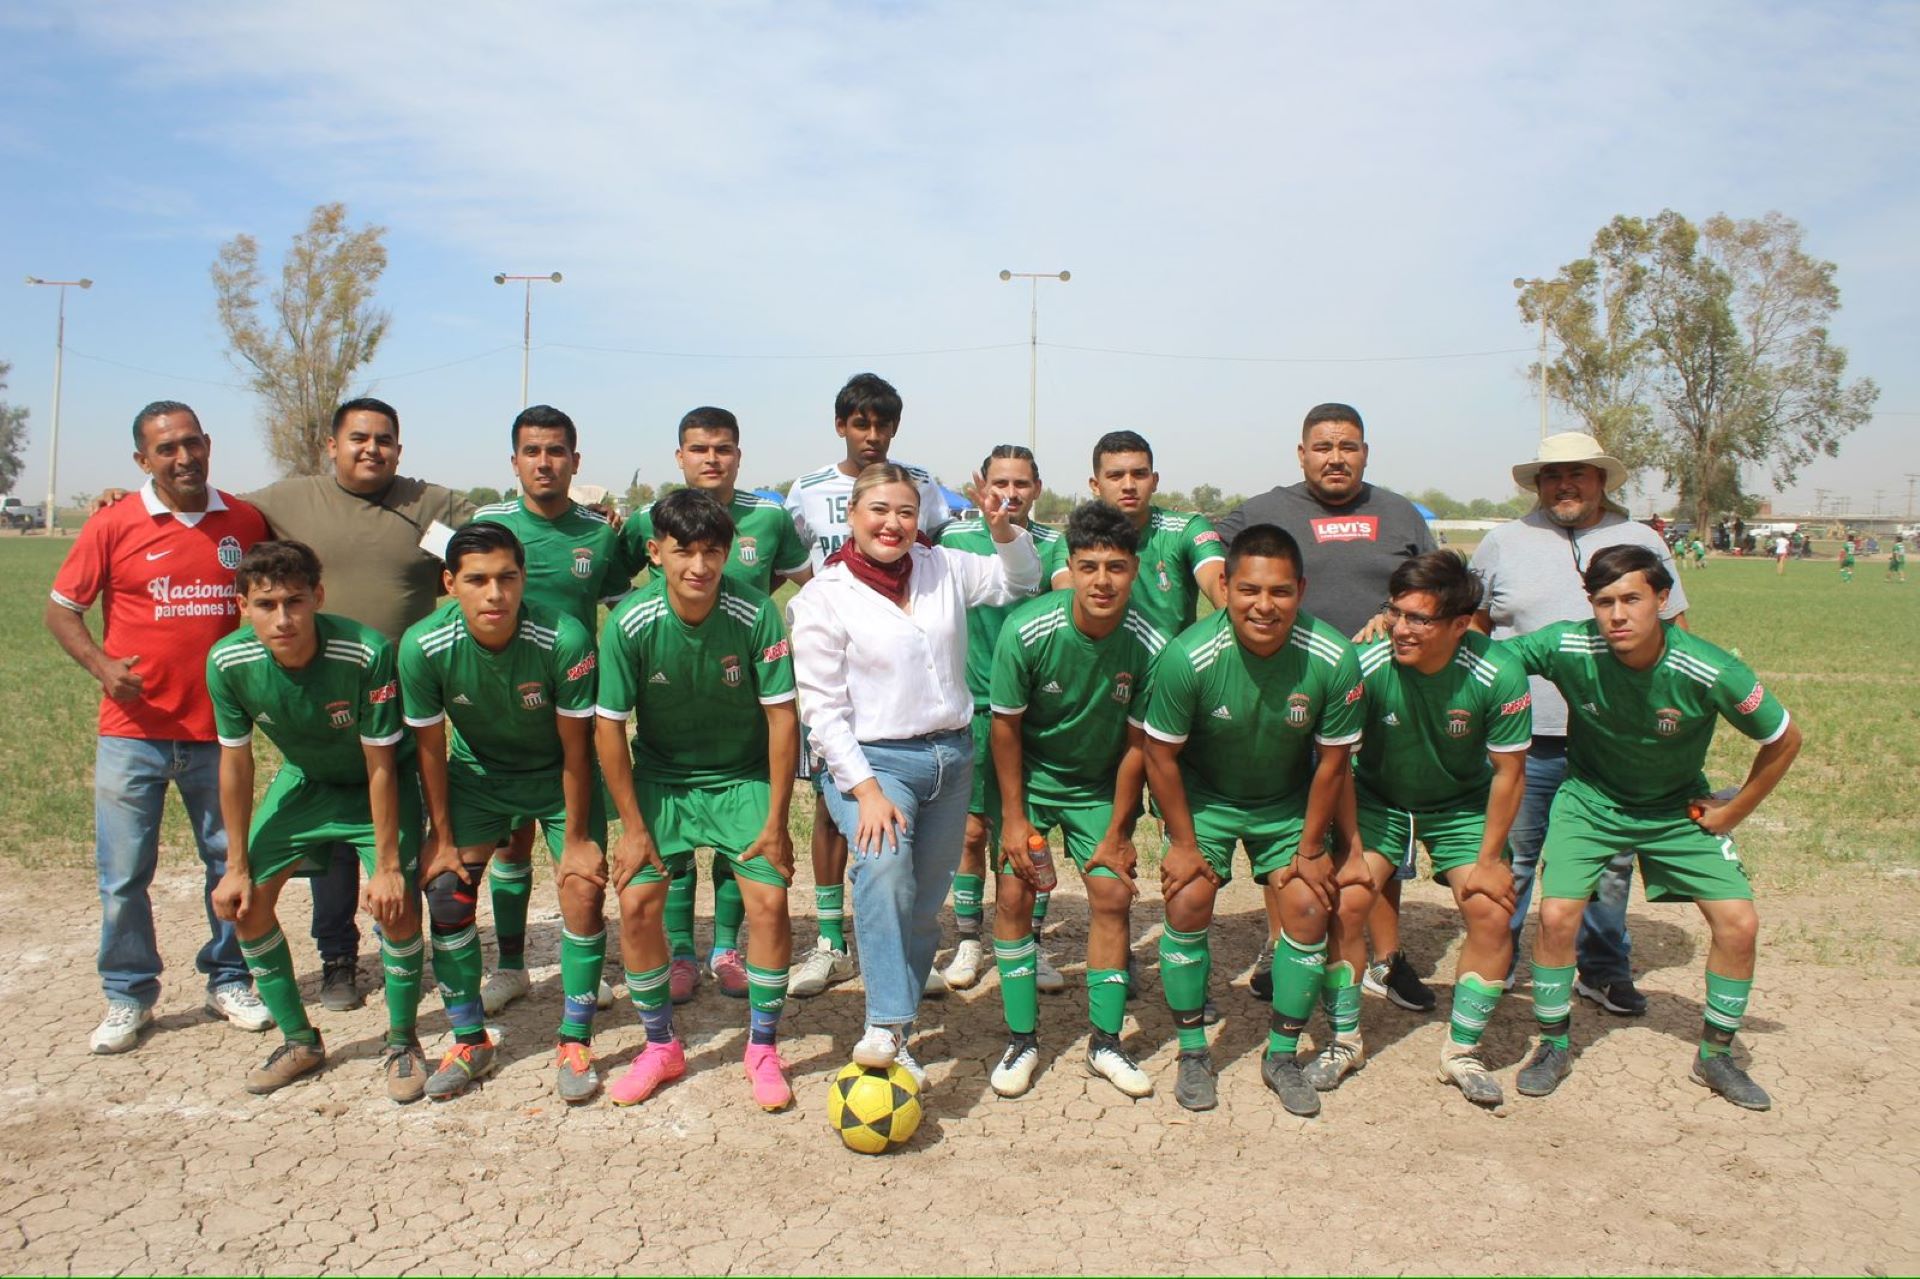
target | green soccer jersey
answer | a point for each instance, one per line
(318, 715)
(1427, 736)
(502, 705)
(970, 533)
(695, 693)
(1640, 737)
(573, 562)
(1075, 696)
(764, 541)
(1173, 546)
(1246, 720)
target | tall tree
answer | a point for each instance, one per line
(1718, 333)
(13, 436)
(1600, 374)
(302, 343)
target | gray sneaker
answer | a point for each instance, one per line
(1193, 1085)
(1341, 1057)
(1544, 1070)
(1281, 1073)
(576, 1079)
(461, 1066)
(339, 984)
(1731, 1082)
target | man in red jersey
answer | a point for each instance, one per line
(163, 568)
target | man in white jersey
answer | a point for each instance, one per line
(866, 417)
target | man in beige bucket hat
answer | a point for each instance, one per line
(1531, 568)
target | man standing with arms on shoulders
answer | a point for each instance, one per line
(1531, 568)
(866, 417)
(1353, 535)
(164, 565)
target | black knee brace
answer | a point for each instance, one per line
(451, 903)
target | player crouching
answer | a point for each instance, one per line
(1643, 697)
(1443, 763)
(323, 690)
(700, 665)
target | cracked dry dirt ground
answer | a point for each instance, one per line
(159, 1161)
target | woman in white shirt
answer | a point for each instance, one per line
(880, 656)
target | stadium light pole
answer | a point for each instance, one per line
(59, 359)
(1519, 283)
(526, 323)
(1033, 346)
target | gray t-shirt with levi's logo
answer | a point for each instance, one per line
(1350, 550)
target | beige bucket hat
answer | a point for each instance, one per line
(1571, 446)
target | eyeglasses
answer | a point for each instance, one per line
(1414, 621)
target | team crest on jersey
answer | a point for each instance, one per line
(340, 714)
(1123, 687)
(1666, 721)
(533, 695)
(583, 562)
(228, 552)
(730, 671)
(1160, 575)
(1299, 710)
(749, 549)
(1459, 723)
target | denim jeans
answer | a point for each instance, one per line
(130, 777)
(336, 904)
(1604, 951)
(898, 893)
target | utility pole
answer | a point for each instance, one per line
(1033, 346)
(1910, 477)
(526, 324)
(59, 359)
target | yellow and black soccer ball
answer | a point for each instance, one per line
(874, 1111)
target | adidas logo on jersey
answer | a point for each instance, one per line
(1391, 720)
(1051, 686)
(659, 677)
(1221, 712)
(263, 718)
(460, 699)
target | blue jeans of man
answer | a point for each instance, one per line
(898, 892)
(336, 905)
(130, 777)
(1604, 952)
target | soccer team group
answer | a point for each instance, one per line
(1099, 703)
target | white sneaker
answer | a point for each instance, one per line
(1107, 1060)
(1338, 1058)
(823, 968)
(604, 997)
(239, 1005)
(877, 1049)
(936, 984)
(964, 969)
(119, 1030)
(502, 987)
(904, 1059)
(1014, 1074)
(1461, 1066)
(1045, 976)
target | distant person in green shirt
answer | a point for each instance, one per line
(576, 560)
(767, 550)
(1897, 562)
(1644, 697)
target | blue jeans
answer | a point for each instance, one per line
(336, 904)
(130, 777)
(1605, 952)
(897, 894)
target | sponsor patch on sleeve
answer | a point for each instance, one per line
(1752, 704)
(1517, 705)
(1208, 536)
(582, 667)
(385, 693)
(1355, 693)
(775, 652)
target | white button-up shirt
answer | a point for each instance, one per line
(871, 671)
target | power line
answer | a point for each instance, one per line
(1290, 359)
(171, 377)
(730, 355)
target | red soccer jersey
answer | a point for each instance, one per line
(167, 583)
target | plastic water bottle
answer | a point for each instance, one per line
(1044, 880)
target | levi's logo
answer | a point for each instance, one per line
(1346, 528)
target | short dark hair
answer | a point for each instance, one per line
(1019, 452)
(1264, 541)
(708, 418)
(867, 393)
(1612, 563)
(1097, 525)
(276, 564)
(159, 408)
(1120, 442)
(480, 537)
(1441, 574)
(548, 417)
(366, 404)
(1332, 412)
(692, 515)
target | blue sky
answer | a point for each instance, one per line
(770, 197)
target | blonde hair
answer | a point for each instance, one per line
(879, 474)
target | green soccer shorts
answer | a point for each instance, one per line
(1270, 832)
(985, 799)
(1678, 860)
(486, 809)
(299, 819)
(1082, 826)
(1452, 836)
(726, 818)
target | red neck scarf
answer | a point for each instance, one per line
(891, 580)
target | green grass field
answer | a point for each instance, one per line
(1836, 653)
